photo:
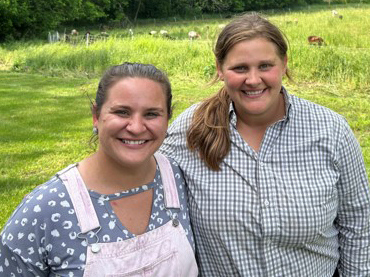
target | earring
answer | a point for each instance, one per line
(95, 130)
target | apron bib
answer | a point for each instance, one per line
(164, 251)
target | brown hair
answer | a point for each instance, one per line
(132, 70)
(209, 132)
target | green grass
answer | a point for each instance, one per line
(45, 115)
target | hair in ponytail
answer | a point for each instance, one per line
(209, 132)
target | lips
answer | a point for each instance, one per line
(253, 92)
(133, 142)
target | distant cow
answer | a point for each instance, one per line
(193, 35)
(336, 14)
(316, 40)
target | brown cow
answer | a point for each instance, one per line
(316, 40)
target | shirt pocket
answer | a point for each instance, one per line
(165, 265)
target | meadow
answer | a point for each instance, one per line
(45, 89)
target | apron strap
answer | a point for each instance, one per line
(82, 203)
(171, 198)
(80, 197)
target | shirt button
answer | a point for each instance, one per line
(267, 203)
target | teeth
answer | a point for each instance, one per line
(133, 141)
(253, 92)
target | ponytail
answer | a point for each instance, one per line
(209, 132)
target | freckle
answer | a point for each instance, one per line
(114, 203)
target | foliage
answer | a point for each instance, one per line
(35, 18)
(340, 60)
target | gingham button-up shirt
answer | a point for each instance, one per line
(294, 208)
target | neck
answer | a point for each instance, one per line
(265, 120)
(105, 176)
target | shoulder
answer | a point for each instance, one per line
(41, 196)
(176, 170)
(307, 111)
(44, 203)
(30, 222)
(176, 133)
(183, 121)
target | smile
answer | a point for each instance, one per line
(253, 92)
(136, 142)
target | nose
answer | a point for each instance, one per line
(136, 125)
(252, 77)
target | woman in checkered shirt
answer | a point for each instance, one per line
(277, 184)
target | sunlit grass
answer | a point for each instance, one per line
(45, 116)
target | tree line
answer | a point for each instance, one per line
(33, 18)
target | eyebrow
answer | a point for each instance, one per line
(155, 109)
(268, 61)
(116, 107)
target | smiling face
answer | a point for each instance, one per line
(252, 72)
(132, 122)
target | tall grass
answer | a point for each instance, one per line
(343, 59)
(180, 57)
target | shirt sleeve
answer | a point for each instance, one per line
(12, 264)
(20, 253)
(353, 220)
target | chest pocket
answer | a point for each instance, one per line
(157, 253)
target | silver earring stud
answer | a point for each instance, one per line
(95, 130)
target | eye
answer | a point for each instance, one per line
(265, 66)
(240, 68)
(122, 112)
(152, 114)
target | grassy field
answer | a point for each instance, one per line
(45, 115)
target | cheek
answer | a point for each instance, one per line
(275, 75)
(160, 128)
(112, 123)
(233, 80)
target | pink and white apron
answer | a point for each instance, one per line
(164, 251)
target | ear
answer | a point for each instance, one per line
(95, 117)
(285, 61)
(219, 71)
